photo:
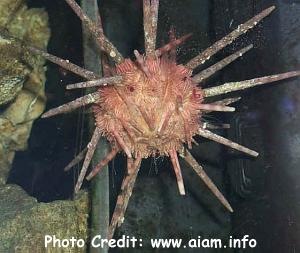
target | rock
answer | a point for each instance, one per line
(31, 104)
(24, 222)
(10, 87)
(22, 77)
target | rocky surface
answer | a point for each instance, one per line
(23, 221)
(22, 77)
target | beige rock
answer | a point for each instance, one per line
(24, 222)
(31, 106)
(22, 77)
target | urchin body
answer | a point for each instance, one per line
(154, 111)
(153, 105)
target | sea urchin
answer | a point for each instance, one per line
(152, 106)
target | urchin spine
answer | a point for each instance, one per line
(118, 143)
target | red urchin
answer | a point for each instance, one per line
(153, 105)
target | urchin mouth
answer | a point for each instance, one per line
(119, 129)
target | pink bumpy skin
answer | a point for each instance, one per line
(155, 109)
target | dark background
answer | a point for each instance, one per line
(264, 192)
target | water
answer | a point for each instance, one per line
(263, 191)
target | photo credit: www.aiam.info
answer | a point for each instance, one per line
(52, 241)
